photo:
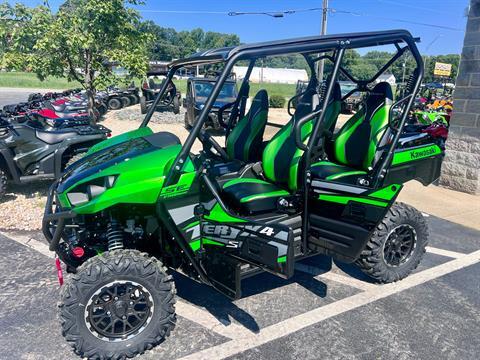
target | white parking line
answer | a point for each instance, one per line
(243, 339)
(359, 284)
(36, 245)
(315, 316)
(447, 253)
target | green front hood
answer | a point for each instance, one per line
(130, 135)
(139, 166)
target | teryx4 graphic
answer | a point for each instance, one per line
(142, 201)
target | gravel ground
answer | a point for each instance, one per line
(22, 208)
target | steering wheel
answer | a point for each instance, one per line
(209, 142)
(220, 114)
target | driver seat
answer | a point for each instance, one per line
(245, 140)
(280, 162)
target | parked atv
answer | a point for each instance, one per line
(117, 98)
(142, 202)
(28, 153)
(433, 116)
(150, 89)
(55, 109)
(198, 91)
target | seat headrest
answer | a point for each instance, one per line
(260, 99)
(336, 92)
(381, 94)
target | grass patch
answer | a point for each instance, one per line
(30, 80)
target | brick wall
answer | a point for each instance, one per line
(461, 167)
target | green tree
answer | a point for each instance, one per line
(168, 44)
(81, 41)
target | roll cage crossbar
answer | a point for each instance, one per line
(311, 45)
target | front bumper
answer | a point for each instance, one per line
(53, 223)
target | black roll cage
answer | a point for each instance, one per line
(305, 46)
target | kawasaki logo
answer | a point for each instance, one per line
(417, 154)
(404, 156)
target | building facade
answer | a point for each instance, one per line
(461, 167)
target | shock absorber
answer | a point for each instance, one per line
(114, 235)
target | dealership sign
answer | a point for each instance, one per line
(442, 69)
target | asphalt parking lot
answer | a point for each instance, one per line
(336, 314)
(13, 95)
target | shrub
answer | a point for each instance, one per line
(277, 101)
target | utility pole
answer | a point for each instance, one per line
(321, 63)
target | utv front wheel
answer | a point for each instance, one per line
(117, 305)
(396, 246)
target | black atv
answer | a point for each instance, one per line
(143, 202)
(169, 102)
(29, 152)
(116, 98)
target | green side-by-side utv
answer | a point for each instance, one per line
(142, 204)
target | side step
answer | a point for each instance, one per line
(227, 269)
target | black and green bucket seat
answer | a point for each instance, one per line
(245, 140)
(358, 145)
(280, 162)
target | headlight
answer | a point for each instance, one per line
(95, 190)
(86, 192)
(77, 198)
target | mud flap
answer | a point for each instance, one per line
(268, 247)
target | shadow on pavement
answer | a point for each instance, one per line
(223, 308)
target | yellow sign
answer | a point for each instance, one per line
(442, 69)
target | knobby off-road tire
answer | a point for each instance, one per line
(102, 109)
(89, 295)
(384, 258)
(187, 124)
(176, 105)
(73, 160)
(134, 99)
(3, 182)
(143, 105)
(115, 103)
(126, 101)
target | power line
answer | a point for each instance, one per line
(398, 3)
(336, 11)
(199, 12)
(282, 13)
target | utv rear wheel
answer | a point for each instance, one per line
(396, 246)
(115, 103)
(3, 183)
(117, 305)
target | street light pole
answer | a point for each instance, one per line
(321, 63)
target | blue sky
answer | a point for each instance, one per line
(371, 15)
